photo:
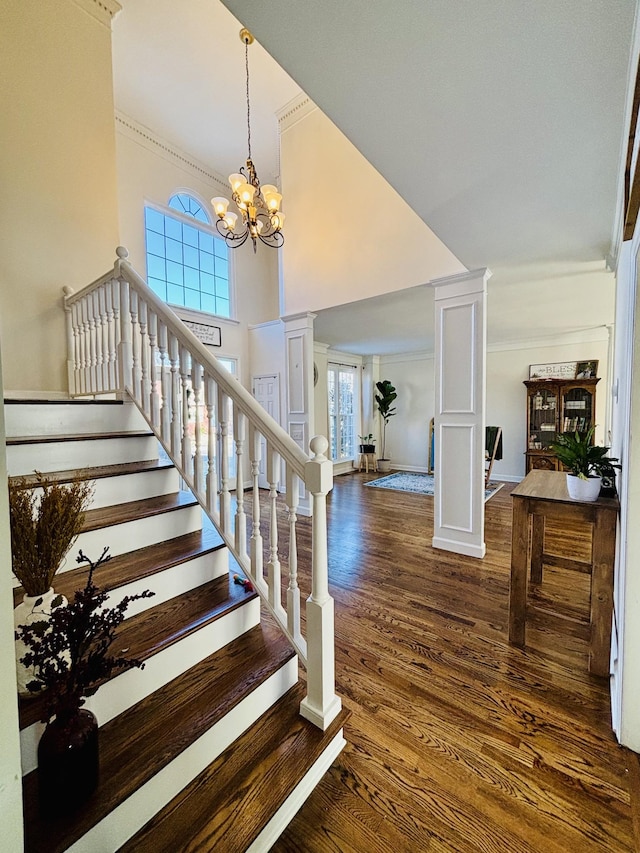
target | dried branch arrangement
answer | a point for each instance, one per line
(69, 652)
(44, 525)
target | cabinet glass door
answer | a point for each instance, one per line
(543, 411)
(577, 410)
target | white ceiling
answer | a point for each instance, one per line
(501, 122)
(179, 69)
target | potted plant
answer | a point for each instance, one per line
(44, 522)
(384, 402)
(70, 657)
(367, 443)
(585, 462)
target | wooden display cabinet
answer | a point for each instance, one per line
(555, 406)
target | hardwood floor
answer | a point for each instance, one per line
(458, 741)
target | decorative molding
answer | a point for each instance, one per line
(483, 274)
(103, 11)
(152, 142)
(264, 325)
(294, 111)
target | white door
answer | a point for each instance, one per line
(266, 390)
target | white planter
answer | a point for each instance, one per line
(34, 608)
(583, 490)
(384, 465)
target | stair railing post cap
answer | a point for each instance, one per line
(122, 253)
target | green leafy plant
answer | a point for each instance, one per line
(69, 652)
(367, 439)
(44, 525)
(580, 456)
(384, 402)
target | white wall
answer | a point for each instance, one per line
(348, 234)
(266, 356)
(151, 170)
(507, 368)
(58, 206)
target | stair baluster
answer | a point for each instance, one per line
(256, 544)
(273, 566)
(224, 405)
(198, 462)
(154, 402)
(293, 590)
(239, 428)
(145, 392)
(212, 482)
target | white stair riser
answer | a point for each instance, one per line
(131, 535)
(60, 418)
(109, 491)
(134, 487)
(68, 455)
(130, 687)
(173, 581)
(118, 826)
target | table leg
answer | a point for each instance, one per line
(519, 554)
(537, 548)
(602, 560)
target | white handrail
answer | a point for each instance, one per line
(123, 339)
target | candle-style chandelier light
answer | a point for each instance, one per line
(258, 206)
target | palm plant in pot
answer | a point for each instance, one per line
(585, 462)
(44, 522)
(70, 657)
(384, 402)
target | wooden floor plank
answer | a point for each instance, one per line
(457, 740)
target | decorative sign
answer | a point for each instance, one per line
(211, 335)
(559, 370)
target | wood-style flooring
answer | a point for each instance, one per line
(458, 741)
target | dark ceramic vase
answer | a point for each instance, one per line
(68, 762)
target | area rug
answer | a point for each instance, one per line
(421, 484)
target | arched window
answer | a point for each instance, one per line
(187, 264)
(190, 206)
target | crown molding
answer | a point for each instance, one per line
(103, 11)
(130, 128)
(294, 111)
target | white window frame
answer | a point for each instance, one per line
(165, 210)
(337, 368)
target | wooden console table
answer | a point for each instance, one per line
(542, 495)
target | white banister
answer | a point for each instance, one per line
(121, 338)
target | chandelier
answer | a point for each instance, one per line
(258, 206)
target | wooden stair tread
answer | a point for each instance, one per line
(156, 628)
(144, 562)
(107, 516)
(233, 799)
(100, 472)
(82, 436)
(157, 729)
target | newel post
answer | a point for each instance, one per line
(321, 705)
(71, 350)
(125, 351)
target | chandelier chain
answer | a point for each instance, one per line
(246, 62)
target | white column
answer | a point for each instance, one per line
(10, 772)
(298, 343)
(460, 355)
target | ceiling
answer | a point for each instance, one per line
(179, 69)
(500, 122)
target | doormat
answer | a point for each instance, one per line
(421, 484)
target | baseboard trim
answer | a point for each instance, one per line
(459, 547)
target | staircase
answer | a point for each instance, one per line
(205, 748)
